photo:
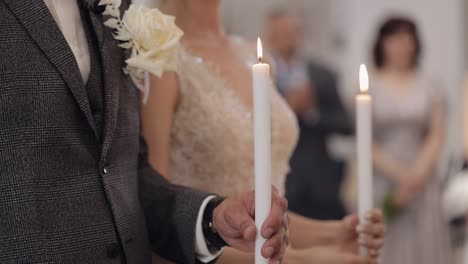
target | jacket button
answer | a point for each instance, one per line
(104, 171)
(113, 251)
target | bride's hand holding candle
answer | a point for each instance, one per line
(369, 234)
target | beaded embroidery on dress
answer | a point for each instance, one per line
(212, 132)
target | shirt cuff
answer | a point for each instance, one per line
(202, 252)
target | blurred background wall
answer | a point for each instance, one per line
(246, 18)
(340, 33)
(347, 28)
(442, 29)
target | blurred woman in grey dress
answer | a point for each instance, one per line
(409, 126)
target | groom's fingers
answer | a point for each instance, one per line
(250, 233)
(275, 229)
(278, 258)
(239, 218)
(275, 246)
(275, 220)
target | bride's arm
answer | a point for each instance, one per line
(314, 255)
(292, 256)
(306, 233)
(157, 115)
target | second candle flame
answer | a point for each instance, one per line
(259, 50)
(363, 79)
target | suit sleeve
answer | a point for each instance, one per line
(171, 213)
(333, 116)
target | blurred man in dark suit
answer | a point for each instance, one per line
(311, 90)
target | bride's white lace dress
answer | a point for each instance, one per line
(212, 132)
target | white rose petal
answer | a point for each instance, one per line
(152, 37)
(126, 45)
(117, 3)
(122, 36)
(116, 11)
(112, 23)
(106, 2)
(155, 37)
(111, 11)
(139, 62)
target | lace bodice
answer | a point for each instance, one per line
(212, 132)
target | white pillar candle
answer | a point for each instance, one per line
(262, 146)
(364, 147)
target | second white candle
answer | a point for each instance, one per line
(364, 148)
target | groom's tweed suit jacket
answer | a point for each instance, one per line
(75, 189)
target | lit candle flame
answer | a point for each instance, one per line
(363, 79)
(259, 50)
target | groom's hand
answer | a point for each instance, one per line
(234, 221)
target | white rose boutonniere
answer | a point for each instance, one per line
(152, 38)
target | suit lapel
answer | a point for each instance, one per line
(40, 25)
(112, 59)
(99, 28)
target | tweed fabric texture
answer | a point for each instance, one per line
(68, 194)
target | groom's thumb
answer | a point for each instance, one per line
(247, 223)
(249, 231)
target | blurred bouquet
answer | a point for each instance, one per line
(389, 208)
(456, 196)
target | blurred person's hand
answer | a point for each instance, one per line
(409, 186)
(402, 196)
(301, 99)
(353, 234)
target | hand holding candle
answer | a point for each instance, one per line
(262, 146)
(364, 147)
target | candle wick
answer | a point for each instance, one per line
(260, 60)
